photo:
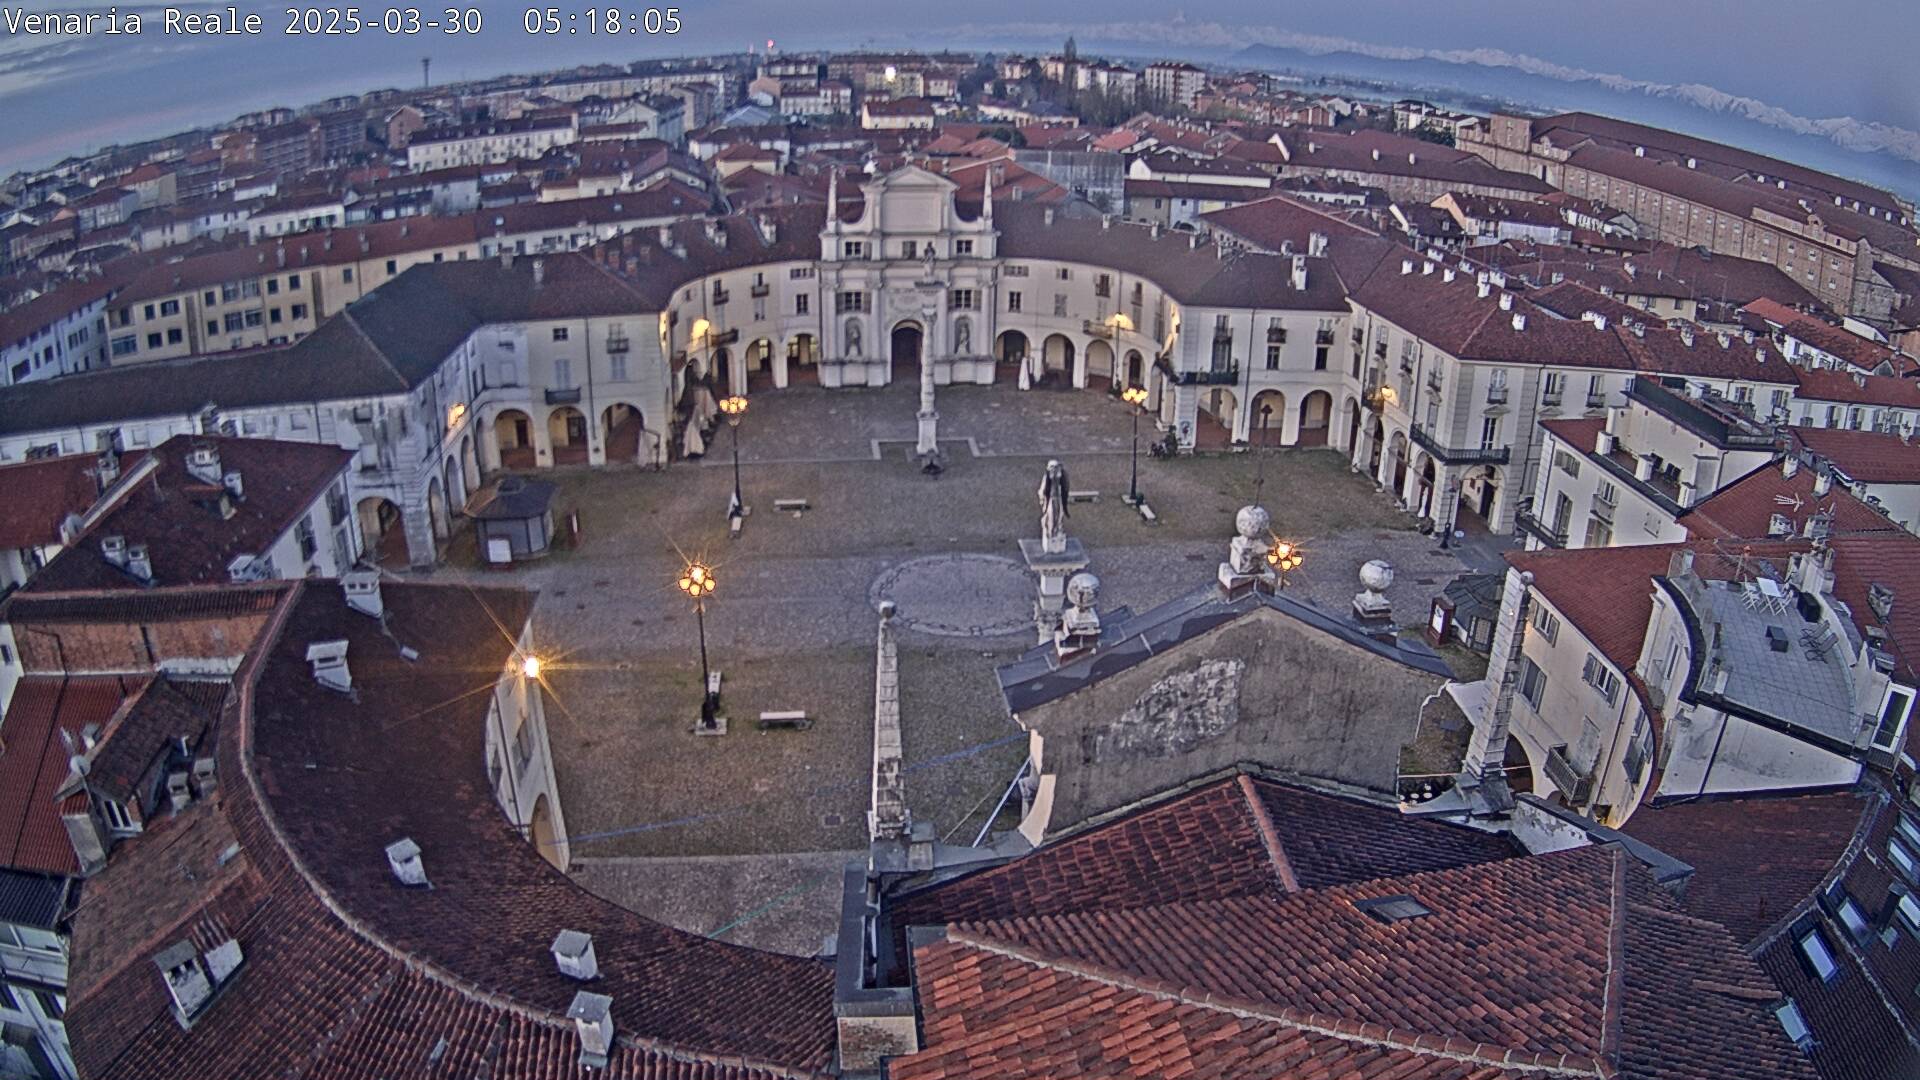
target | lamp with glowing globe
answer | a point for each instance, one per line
(735, 407)
(1135, 396)
(698, 582)
(1283, 556)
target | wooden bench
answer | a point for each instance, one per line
(1083, 496)
(1147, 512)
(792, 720)
(791, 505)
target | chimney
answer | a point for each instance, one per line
(1643, 467)
(1426, 268)
(539, 272)
(1506, 301)
(329, 660)
(1519, 321)
(666, 236)
(138, 564)
(1376, 154)
(362, 588)
(1603, 443)
(1822, 482)
(1046, 216)
(1880, 599)
(592, 1016)
(1106, 222)
(1686, 337)
(1448, 275)
(1316, 244)
(1299, 273)
(1599, 321)
(1788, 466)
(234, 485)
(107, 470)
(203, 462)
(573, 952)
(403, 856)
(1485, 288)
(114, 549)
(1406, 267)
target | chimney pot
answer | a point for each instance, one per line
(138, 562)
(1506, 301)
(573, 952)
(235, 486)
(403, 855)
(1519, 321)
(1788, 466)
(329, 660)
(114, 549)
(592, 1016)
(362, 589)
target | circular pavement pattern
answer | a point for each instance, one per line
(958, 595)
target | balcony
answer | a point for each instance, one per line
(1323, 337)
(1454, 455)
(1711, 417)
(1603, 509)
(1596, 401)
(1577, 786)
(760, 290)
(1496, 395)
(1218, 376)
(619, 343)
(1551, 399)
(721, 296)
(1540, 530)
(564, 396)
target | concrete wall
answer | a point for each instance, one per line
(1264, 689)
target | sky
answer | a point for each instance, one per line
(59, 96)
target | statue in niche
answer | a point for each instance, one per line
(963, 336)
(852, 338)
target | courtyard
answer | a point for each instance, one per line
(704, 832)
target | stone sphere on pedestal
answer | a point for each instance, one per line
(1376, 575)
(1252, 522)
(1083, 590)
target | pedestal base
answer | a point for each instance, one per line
(719, 727)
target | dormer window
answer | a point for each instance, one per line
(1393, 909)
(186, 980)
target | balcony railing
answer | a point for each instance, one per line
(761, 289)
(1455, 455)
(1551, 399)
(569, 395)
(1496, 395)
(1596, 401)
(1571, 782)
(721, 296)
(1323, 337)
(619, 343)
(1540, 530)
(1603, 509)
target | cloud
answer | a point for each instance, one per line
(1867, 136)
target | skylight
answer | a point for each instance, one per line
(1819, 956)
(1794, 1023)
(1393, 909)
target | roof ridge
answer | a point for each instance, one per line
(1269, 836)
(1615, 989)
(346, 314)
(1331, 1027)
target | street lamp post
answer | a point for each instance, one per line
(698, 582)
(1135, 396)
(1283, 556)
(1260, 463)
(735, 407)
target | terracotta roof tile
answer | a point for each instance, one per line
(1871, 457)
(33, 763)
(1746, 506)
(41, 494)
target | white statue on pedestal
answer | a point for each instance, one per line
(853, 338)
(1053, 508)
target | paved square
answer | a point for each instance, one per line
(792, 623)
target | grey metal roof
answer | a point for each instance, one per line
(1038, 676)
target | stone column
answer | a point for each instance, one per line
(887, 817)
(927, 447)
(1487, 750)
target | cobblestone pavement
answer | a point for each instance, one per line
(785, 903)
(793, 621)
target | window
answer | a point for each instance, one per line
(1533, 682)
(909, 249)
(392, 267)
(963, 300)
(1794, 1024)
(303, 533)
(1063, 274)
(235, 322)
(346, 274)
(153, 341)
(147, 312)
(1016, 271)
(169, 307)
(1597, 675)
(559, 333)
(800, 273)
(1608, 494)
(1547, 623)
(293, 281)
(124, 345)
(1393, 909)
(253, 317)
(1566, 463)
(563, 374)
(617, 367)
(1893, 717)
(1060, 305)
(116, 814)
(1490, 433)
(1013, 301)
(963, 247)
(1901, 856)
(1497, 386)
(853, 249)
(801, 304)
(273, 286)
(1818, 956)
(848, 302)
(1273, 355)
(1555, 389)
(1854, 919)
(209, 297)
(299, 311)
(1103, 285)
(273, 315)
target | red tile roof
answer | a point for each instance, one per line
(1745, 507)
(1754, 858)
(42, 494)
(1273, 222)
(33, 763)
(1571, 961)
(177, 515)
(1871, 457)
(348, 974)
(1853, 388)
